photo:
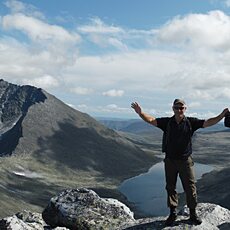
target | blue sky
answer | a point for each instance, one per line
(100, 55)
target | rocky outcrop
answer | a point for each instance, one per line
(83, 209)
(213, 217)
(25, 220)
(14, 103)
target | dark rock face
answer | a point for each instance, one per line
(84, 209)
(14, 104)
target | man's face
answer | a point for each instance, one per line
(179, 109)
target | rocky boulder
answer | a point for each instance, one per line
(84, 209)
(25, 220)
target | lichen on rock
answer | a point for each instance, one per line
(84, 209)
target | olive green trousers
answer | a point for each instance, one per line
(185, 170)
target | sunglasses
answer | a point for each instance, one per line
(178, 108)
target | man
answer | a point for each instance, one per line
(177, 145)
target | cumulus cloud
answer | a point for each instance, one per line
(81, 90)
(44, 50)
(45, 82)
(25, 8)
(15, 6)
(209, 30)
(104, 35)
(225, 93)
(194, 104)
(113, 93)
(37, 29)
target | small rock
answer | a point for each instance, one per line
(25, 220)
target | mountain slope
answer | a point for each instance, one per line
(55, 131)
(57, 147)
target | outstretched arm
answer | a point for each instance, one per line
(214, 120)
(150, 119)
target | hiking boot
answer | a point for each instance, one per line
(172, 217)
(194, 218)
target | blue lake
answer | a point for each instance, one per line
(147, 191)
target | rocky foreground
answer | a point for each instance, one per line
(81, 209)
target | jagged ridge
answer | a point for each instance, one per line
(14, 104)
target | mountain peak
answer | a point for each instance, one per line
(14, 103)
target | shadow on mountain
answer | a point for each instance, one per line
(15, 102)
(9, 139)
(86, 149)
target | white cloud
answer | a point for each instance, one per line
(224, 93)
(209, 30)
(117, 43)
(15, 6)
(154, 73)
(19, 60)
(104, 35)
(201, 94)
(37, 29)
(110, 109)
(81, 90)
(113, 93)
(25, 8)
(47, 50)
(45, 82)
(113, 108)
(99, 27)
(194, 104)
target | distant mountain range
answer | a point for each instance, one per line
(138, 126)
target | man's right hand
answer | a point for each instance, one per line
(136, 107)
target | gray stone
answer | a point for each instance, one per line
(213, 217)
(25, 220)
(84, 209)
